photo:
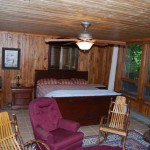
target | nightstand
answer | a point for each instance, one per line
(21, 95)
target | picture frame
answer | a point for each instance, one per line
(11, 58)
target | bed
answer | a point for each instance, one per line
(73, 95)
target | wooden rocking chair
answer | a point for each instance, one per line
(10, 138)
(117, 121)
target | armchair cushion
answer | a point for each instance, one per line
(43, 134)
(68, 125)
(63, 138)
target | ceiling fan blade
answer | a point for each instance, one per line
(110, 42)
(59, 40)
(69, 43)
(84, 36)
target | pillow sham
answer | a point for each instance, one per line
(65, 82)
(79, 81)
(47, 81)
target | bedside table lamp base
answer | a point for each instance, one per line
(18, 84)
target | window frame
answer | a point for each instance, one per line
(144, 71)
(142, 76)
(59, 46)
(129, 80)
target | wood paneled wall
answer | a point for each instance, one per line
(140, 106)
(99, 64)
(83, 60)
(34, 55)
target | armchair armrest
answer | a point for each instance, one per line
(68, 125)
(44, 135)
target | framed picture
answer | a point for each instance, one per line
(11, 58)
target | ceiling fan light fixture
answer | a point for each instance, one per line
(85, 45)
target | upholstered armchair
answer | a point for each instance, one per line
(50, 127)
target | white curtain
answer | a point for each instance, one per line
(61, 58)
(113, 69)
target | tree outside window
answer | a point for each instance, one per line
(133, 61)
(132, 69)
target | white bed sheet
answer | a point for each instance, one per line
(71, 91)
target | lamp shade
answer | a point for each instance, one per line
(84, 45)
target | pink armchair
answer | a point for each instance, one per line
(49, 126)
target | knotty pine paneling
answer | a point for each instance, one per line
(107, 60)
(99, 64)
(146, 109)
(120, 68)
(83, 60)
(138, 105)
(34, 55)
(134, 104)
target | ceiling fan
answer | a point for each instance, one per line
(85, 39)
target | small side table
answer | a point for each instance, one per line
(21, 95)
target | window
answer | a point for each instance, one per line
(129, 88)
(63, 57)
(133, 61)
(146, 94)
(133, 75)
(132, 65)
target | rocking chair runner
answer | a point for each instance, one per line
(10, 138)
(117, 121)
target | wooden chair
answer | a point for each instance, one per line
(10, 138)
(117, 121)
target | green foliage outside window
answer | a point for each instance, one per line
(133, 61)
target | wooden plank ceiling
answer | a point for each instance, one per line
(111, 19)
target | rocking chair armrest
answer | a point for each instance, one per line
(14, 123)
(31, 144)
(103, 120)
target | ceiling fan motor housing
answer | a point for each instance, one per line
(85, 35)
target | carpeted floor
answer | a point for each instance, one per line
(134, 141)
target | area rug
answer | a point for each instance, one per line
(134, 141)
